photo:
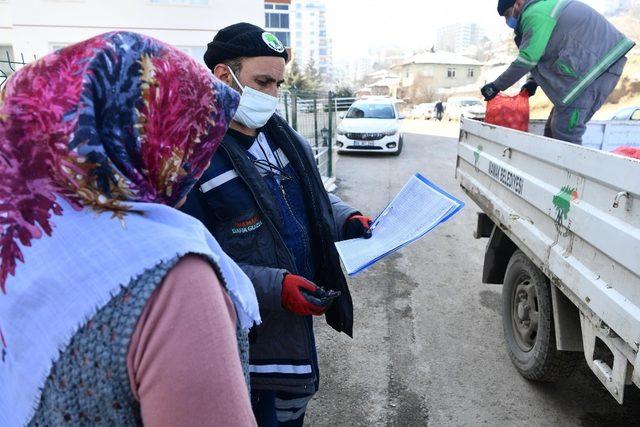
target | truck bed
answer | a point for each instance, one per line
(573, 210)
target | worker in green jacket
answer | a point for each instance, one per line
(571, 51)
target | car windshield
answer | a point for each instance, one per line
(371, 111)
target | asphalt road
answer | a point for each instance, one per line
(428, 346)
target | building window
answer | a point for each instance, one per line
(451, 73)
(282, 7)
(268, 6)
(276, 20)
(471, 72)
(181, 2)
(284, 37)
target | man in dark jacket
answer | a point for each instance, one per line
(439, 110)
(264, 201)
(571, 51)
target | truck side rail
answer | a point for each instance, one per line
(575, 211)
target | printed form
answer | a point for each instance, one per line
(417, 209)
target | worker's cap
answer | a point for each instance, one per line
(242, 40)
(503, 5)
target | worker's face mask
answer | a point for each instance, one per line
(256, 108)
(512, 20)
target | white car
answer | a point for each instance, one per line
(424, 111)
(628, 113)
(371, 126)
(472, 108)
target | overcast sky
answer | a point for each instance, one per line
(358, 25)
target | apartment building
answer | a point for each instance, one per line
(458, 37)
(310, 41)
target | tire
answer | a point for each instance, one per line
(526, 295)
(400, 143)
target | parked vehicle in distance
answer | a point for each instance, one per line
(628, 113)
(469, 107)
(423, 111)
(371, 125)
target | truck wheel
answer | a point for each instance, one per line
(527, 320)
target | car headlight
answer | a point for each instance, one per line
(340, 131)
(391, 132)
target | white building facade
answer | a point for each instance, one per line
(309, 37)
(37, 27)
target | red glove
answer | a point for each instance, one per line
(293, 299)
(357, 226)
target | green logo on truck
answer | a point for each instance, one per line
(476, 155)
(562, 203)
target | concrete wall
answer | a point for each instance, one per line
(36, 27)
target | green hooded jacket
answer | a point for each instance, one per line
(565, 45)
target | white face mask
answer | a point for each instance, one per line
(256, 108)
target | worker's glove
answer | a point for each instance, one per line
(301, 297)
(530, 87)
(489, 91)
(357, 225)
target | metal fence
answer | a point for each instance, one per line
(315, 116)
(8, 65)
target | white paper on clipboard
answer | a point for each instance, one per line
(417, 209)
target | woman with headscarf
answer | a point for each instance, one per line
(116, 309)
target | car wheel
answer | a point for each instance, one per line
(527, 320)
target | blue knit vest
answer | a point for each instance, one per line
(89, 383)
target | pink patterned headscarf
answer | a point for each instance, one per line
(120, 117)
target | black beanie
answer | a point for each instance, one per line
(503, 5)
(240, 40)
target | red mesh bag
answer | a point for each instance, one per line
(633, 152)
(509, 111)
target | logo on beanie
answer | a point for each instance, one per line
(273, 42)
